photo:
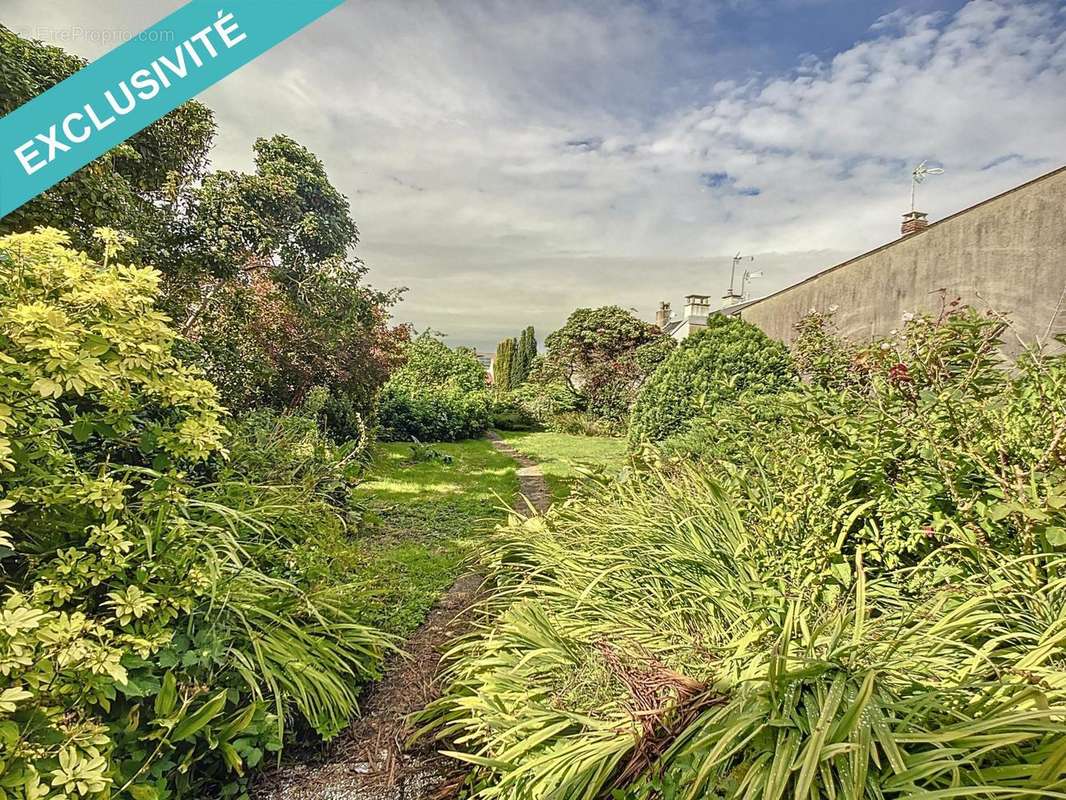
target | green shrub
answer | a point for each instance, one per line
(439, 395)
(271, 448)
(431, 363)
(709, 368)
(543, 401)
(602, 356)
(578, 424)
(146, 649)
(432, 414)
(925, 440)
(507, 414)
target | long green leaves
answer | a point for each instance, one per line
(608, 613)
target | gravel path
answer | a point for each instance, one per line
(370, 762)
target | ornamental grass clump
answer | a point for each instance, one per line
(641, 643)
(145, 651)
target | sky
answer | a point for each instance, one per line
(509, 161)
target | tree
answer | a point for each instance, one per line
(503, 365)
(604, 355)
(135, 188)
(257, 271)
(286, 217)
(438, 395)
(526, 351)
(514, 360)
(430, 363)
(283, 307)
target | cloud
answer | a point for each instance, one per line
(510, 162)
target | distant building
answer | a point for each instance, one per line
(486, 360)
(697, 309)
(1007, 253)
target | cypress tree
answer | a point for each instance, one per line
(516, 364)
(503, 367)
(530, 351)
(514, 360)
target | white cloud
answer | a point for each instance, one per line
(447, 124)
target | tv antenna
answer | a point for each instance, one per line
(918, 175)
(747, 278)
(731, 295)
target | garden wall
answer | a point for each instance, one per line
(1008, 252)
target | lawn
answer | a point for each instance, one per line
(560, 455)
(423, 520)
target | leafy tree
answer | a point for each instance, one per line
(286, 308)
(286, 217)
(262, 346)
(429, 362)
(256, 267)
(603, 355)
(712, 366)
(135, 188)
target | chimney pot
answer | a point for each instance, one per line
(662, 316)
(913, 222)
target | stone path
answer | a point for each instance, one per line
(531, 483)
(370, 761)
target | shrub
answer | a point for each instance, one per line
(507, 414)
(577, 424)
(543, 401)
(822, 356)
(432, 414)
(657, 648)
(146, 651)
(711, 367)
(439, 395)
(291, 450)
(931, 443)
(431, 363)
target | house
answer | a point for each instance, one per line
(1006, 254)
(697, 309)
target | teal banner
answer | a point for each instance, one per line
(131, 87)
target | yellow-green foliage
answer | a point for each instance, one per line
(142, 654)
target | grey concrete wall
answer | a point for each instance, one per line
(1007, 253)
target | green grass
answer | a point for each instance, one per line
(560, 455)
(423, 521)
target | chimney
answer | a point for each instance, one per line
(662, 316)
(913, 222)
(697, 306)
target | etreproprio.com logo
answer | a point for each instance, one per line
(79, 33)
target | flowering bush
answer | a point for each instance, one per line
(912, 443)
